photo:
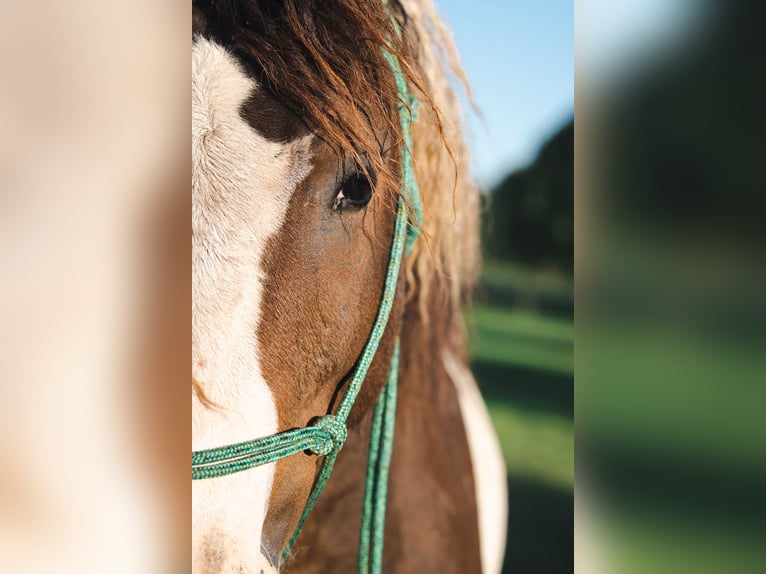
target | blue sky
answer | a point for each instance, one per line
(616, 34)
(519, 57)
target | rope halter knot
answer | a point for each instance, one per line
(335, 430)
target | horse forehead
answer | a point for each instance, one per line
(242, 184)
(248, 152)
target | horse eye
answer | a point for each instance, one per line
(355, 192)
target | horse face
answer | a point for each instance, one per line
(289, 253)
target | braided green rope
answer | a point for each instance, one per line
(369, 486)
(378, 466)
(408, 109)
(327, 435)
(384, 466)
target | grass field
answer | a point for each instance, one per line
(523, 358)
(670, 425)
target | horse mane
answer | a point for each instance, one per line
(325, 61)
(446, 258)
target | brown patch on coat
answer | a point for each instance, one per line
(271, 119)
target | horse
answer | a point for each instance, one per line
(300, 156)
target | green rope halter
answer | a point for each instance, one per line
(328, 433)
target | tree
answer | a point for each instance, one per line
(529, 217)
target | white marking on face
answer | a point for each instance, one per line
(241, 187)
(488, 466)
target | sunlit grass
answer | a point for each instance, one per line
(522, 338)
(537, 444)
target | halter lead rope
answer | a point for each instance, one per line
(328, 434)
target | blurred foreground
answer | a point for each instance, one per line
(95, 287)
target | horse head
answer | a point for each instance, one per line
(300, 169)
(293, 211)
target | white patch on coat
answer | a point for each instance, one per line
(488, 465)
(241, 187)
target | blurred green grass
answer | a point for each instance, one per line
(522, 352)
(522, 338)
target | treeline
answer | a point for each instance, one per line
(529, 217)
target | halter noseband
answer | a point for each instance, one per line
(325, 437)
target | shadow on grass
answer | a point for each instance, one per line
(540, 515)
(540, 528)
(560, 304)
(527, 388)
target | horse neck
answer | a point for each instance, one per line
(430, 484)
